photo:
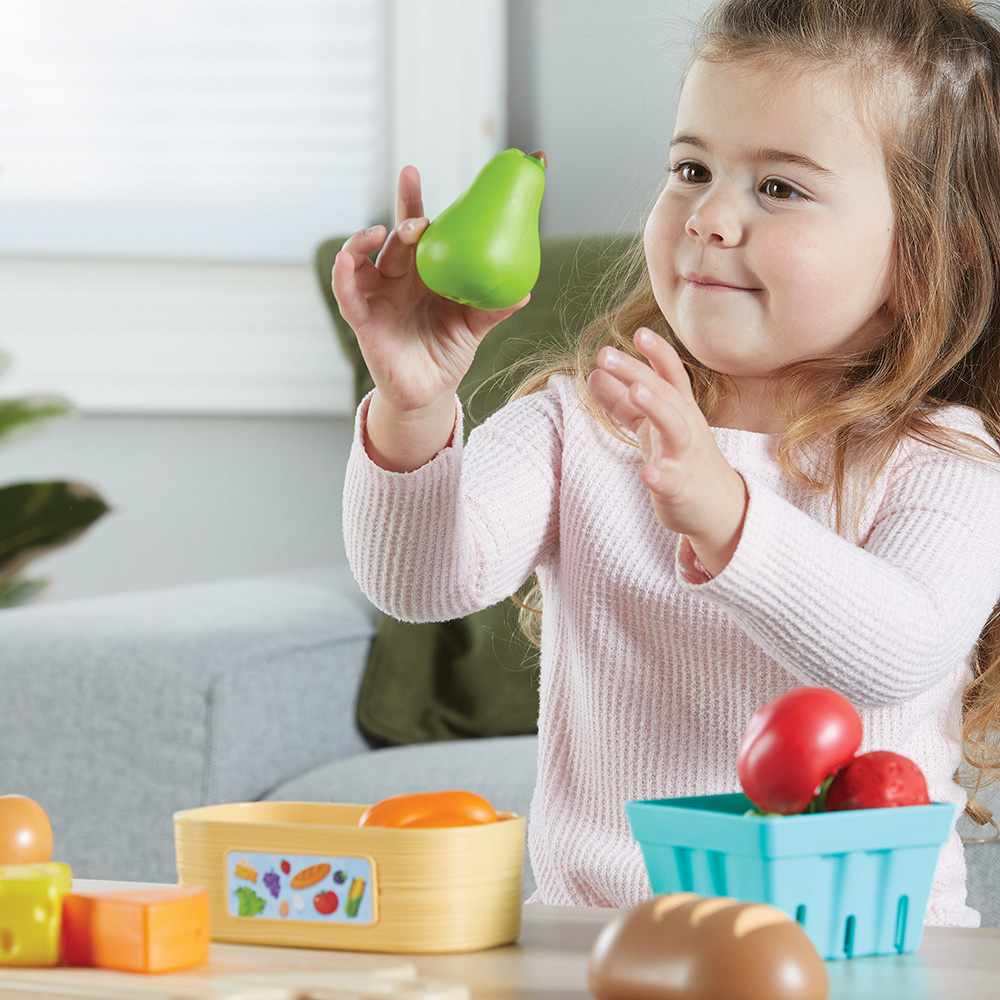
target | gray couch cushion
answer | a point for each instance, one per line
(118, 711)
(501, 769)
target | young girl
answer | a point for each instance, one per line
(772, 465)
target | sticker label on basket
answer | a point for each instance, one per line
(302, 887)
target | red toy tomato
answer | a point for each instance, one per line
(430, 809)
(792, 744)
(25, 831)
(875, 780)
(286, 867)
(325, 902)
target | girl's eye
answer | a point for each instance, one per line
(779, 189)
(691, 173)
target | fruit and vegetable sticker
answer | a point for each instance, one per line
(301, 887)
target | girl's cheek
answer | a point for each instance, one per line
(652, 232)
(665, 220)
(658, 252)
(792, 259)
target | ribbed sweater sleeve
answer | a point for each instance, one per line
(465, 530)
(884, 620)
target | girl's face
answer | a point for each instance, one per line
(772, 240)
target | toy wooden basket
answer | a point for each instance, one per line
(305, 874)
(857, 881)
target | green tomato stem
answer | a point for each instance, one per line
(818, 803)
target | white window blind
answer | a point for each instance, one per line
(193, 129)
(167, 168)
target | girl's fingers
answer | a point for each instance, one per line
(396, 257)
(674, 430)
(613, 395)
(359, 246)
(409, 203)
(481, 321)
(629, 370)
(665, 360)
(361, 243)
(350, 298)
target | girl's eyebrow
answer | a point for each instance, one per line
(761, 154)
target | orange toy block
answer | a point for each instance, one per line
(31, 898)
(138, 930)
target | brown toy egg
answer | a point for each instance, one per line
(683, 946)
(25, 831)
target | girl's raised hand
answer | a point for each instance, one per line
(694, 490)
(417, 345)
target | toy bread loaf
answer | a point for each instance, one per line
(684, 946)
(310, 876)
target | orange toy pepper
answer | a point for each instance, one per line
(430, 809)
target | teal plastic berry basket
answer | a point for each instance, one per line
(857, 881)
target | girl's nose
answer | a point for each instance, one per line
(716, 220)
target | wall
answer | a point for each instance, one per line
(595, 85)
(196, 498)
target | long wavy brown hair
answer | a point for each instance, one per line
(927, 72)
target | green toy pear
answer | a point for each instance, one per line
(483, 249)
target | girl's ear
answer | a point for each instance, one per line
(891, 304)
(888, 314)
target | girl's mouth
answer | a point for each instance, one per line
(708, 283)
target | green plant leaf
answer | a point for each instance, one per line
(22, 417)
(38, 517)
(17, 590)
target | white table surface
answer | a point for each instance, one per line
(549, 962)
(550, 959)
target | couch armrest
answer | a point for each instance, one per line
(118, 711)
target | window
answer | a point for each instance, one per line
(167, 168)
(192, 129)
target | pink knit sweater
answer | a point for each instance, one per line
(649, 669)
